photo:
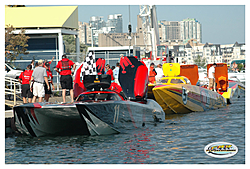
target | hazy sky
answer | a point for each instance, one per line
(221, 23)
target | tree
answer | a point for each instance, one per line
(83, 48)
(15, 44)
(200, 61)
(70, 44)
(240, 67)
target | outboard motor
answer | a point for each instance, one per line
(133, 78)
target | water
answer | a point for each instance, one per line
(179, 140)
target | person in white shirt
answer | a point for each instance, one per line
(159, 73)
(211, 77)
(116, 73)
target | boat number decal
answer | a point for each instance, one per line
(221, 149)
(184, 95)
(116, 115)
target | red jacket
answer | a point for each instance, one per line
(25, 76)
(65, 66)
(49, 74)
(152, 74)
(110, 72)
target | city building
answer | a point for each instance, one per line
(183, 38)
(97, 22)
(169, 31)
(190, 29)
(115, 21)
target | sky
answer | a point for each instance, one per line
(221, 23)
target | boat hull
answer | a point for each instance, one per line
(235, 90)
(110, 117)
(185, 98)
(119, 116)
(48, 120)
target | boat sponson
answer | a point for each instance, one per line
(165, 96)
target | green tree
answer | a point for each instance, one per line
(70, 44)
(200, 61)
(15, 44)
(240, 66)
(83, 48)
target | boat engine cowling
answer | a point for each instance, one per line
(141, 82)
(133, 78)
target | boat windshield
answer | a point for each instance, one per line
(177, 81)
(164, 81)
(98, 97)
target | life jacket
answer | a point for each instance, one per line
(110, 72)
(26, 76)
(152, 74)
(65, 65)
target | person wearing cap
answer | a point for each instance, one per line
(45, 61)
(152, 73)
(66, 80)
(159, 72)
(211, 77)
(109, 72)
(50, 80)
(39, 76)
(24, 79)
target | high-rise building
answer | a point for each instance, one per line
(190, 29)
(97, 22)
(84, 33)
(115, 21)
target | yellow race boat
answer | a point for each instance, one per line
(178, 93)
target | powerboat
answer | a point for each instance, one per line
(177, 92)
(230, 87)
(97, 110)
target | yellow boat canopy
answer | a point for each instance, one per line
(42, 17)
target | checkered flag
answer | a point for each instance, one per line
(89, 65)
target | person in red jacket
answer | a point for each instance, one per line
(152, 73)
(24, 79)
(66, 81)
(50, 80)
(110, 72)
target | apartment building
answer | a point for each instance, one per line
(190, 29)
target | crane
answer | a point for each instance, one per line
(150, 28)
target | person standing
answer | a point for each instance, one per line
(39, 76)
(211, 77)
(116, 73)
(159, 72)
(50, 80)
(32, 64)
(152, 73)
(45, 61)
(66, 81)
(24, 79)
(109, 72)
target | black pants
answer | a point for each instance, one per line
(66, 82)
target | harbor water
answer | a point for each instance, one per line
(179, 140)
